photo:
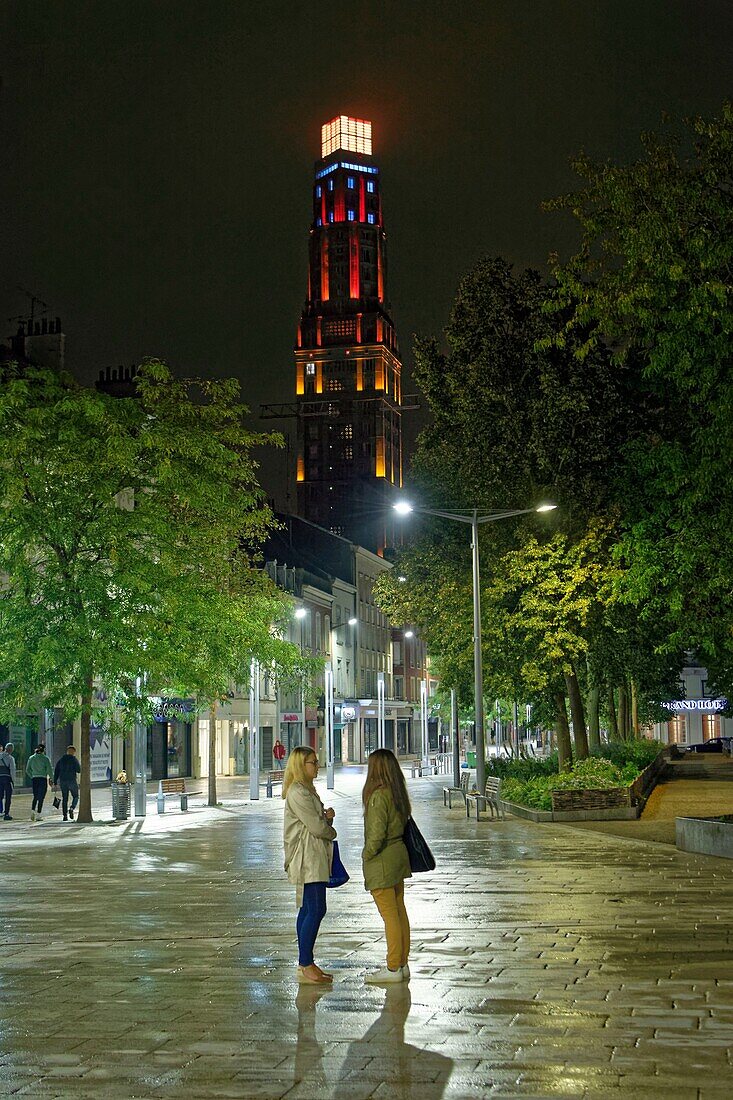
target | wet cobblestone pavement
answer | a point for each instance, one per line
(156, 959)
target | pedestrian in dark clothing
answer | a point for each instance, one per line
(65, 774)
(7, 780)
(39, 771)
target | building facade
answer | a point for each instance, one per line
(347, 365)
(696, 715)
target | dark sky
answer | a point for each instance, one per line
(157, 155)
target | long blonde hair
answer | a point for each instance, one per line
(384, 771)
(295, 768)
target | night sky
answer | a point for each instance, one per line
(157, 155)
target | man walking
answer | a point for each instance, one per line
(7, 780)
(39, 771)
(66, 773)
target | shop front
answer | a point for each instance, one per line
(169, 739)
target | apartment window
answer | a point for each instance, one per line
(330, 185)
(351, 216)
(370, 219)
(370, 186)
(350, 182)
(399, 687)
(330, 216)
(319, 191)
(319, 222)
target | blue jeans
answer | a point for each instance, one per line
(310, 915)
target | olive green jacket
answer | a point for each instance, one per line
(384, 858)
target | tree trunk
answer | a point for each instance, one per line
(594, 720)
(612, 721)
(634, 710)
(84, 813)
(577, 714)
(562, 734)
(212, 752)
(623, 712)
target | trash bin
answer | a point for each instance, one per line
(120, 801)
(471, 759)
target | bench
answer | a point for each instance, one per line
(417, 767)
(462, 790)
(491, 798)
(272, 778)
(168, 787)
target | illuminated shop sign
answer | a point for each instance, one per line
(291, 716)
(708, 706)
(172, 710)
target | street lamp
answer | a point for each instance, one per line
(474, 518)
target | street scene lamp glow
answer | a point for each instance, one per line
(402, 507)
(402, 579)
(546, 508)
(353, 621)
(300, 612)
(409, 634)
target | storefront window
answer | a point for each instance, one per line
(370, 735)
(710, 726)
(403, 733)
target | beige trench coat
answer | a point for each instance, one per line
(307, 837)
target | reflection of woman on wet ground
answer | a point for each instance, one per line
(308, 839)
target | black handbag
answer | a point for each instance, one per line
(421, 858)
(339, 874)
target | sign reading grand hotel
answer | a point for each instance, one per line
(706, 706)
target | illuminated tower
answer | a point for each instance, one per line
(348, 370)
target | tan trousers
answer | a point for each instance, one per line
(391, 905)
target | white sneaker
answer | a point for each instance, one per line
(406, 972)
(33, 815)
(39, 817)
(384, 976)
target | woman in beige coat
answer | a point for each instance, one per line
(308, 837)
(385, 859)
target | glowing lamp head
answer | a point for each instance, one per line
(353, 135)
(401, 579)
(300, 612)
(402, 507)
(546, 508)
(409, 633)
(353, 621)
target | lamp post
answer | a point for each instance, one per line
(329, 710)
(254, 729)
(474, 519)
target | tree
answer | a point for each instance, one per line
(654, 278)
(128, 529)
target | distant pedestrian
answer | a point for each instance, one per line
(39, 771)
(7, 780)
(278, 754)
(385, 859)
(308, 834)
(66, 775)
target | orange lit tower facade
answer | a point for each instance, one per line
(347, 362)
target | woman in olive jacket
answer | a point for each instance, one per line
(385, 859)
(308, 837)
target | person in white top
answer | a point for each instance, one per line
(308, 836)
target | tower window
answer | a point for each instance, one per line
(330, 216)
(370, 219)
(330, 185)
(319, 190)
(310, 368)
(319, 222)
(351, 215)
(350, 182)
(370, 186)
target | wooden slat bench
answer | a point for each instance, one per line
(491, 798)
(273, 778)
(167, 787)
(462, 790)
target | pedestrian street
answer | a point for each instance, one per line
(156, 958)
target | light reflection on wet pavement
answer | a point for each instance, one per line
(158, 960)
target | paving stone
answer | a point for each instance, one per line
(158, 961)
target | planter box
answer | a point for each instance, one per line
(712, 836)
(603, 799)
(525, 812)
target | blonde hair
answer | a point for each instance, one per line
(295, 768)
(384, 770)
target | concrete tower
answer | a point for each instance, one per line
(347, 364)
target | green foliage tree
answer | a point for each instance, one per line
(126, 546)
(654, 278)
